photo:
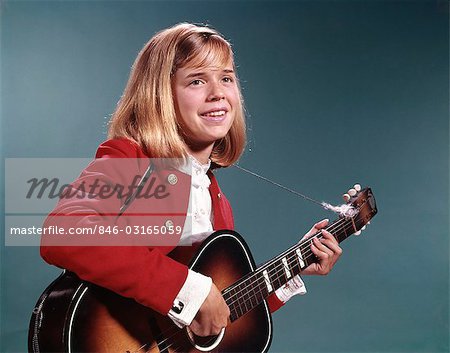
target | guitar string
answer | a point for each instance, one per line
(279, 266)
(280, 276)
(277, 270)
(246, 299)
(304, 245)
(259, 287)
(211, 340)
(171, 345)
(278, 273)
(141, 348)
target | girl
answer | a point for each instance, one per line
(182, 100)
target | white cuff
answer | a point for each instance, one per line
(293, 287)
(190, 298)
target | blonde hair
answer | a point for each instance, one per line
(146, 114)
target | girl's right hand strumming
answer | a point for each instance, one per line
(212, 316)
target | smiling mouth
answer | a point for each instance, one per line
(217, 115)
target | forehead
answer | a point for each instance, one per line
(213, 54)
(209, 67)
(188, 73)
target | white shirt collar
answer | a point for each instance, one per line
(197, 171)
(199, 177)
(197, 166)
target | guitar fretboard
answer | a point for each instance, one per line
(251, 290)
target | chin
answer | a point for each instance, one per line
(215, 134)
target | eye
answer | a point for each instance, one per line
(196, 82)
(228, 79)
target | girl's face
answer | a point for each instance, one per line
(206, 100)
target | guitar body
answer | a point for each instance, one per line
(76, 316)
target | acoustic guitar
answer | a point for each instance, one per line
(76, 316)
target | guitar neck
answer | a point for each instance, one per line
(253, 289)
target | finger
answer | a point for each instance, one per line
(198, 330)
(325, 259)
(319, 225)
(316, 227)
(315, 248)
(331, 243)
(329, 240)
(328, 235)
(325, 250)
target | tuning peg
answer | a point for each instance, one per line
(357, 187)
(352, 192)
(346, 197)
(358, 232)
(363, 227)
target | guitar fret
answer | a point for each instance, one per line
(245, 299)
(241, 301)
(344, 233)
(253, 297)
(232, 302)
(238, 301)
(293, 263)
(239, 310)
(245, 296)
(233, 314)
(310, 258)
(249, 302)
(259, 296)
(280, 274)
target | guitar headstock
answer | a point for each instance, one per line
(364, 206)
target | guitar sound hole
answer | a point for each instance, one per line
(207, 343)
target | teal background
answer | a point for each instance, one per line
(336, 92)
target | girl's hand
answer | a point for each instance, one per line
(326, 249)
(212, 316)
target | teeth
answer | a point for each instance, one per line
(216, 113)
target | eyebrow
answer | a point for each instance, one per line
(201, 73)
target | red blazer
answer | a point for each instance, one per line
(143, 273)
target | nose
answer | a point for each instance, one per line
(216, 92)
